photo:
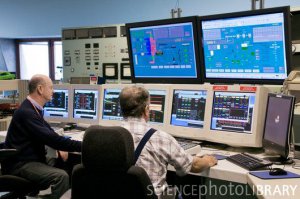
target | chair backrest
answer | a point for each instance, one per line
(107, 166)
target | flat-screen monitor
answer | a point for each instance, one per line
(86, 104)
(237, 115)
(278, 125)
(246, 47)
(58, 108)
(164, 51)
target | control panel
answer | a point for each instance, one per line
(95, 51)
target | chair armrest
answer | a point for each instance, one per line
(6, 153)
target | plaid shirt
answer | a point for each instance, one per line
(162, 149)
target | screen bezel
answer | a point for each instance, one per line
(287, 30)
(179, 80)
(271, 146)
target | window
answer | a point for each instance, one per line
(40, 56)
(34, 59)
(58, 65)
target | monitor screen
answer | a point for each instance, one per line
(278, 121)
(188, 108)
(246, 47)
(157, 105)
(85, 104)
(57, 108)
(164, 51)
(111, 104)
(233, 111)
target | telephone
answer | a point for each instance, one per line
(294, 77)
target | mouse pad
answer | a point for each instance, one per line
(219, 157)
(266, 175)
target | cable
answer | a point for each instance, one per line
(176, 5)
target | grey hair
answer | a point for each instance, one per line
(133, 101)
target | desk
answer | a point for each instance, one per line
(227, 171)
(263, 189)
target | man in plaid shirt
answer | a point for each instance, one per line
(161, 149)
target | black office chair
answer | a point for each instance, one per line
(107, 167)
(16, 187)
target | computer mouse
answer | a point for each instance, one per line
(277, 172)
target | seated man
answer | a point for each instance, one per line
(29, 133)
(161, 149)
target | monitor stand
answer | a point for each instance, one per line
(278, 160)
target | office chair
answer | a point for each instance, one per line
(16, 187)
(107, 167)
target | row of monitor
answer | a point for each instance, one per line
(232, 115)
(242, 47)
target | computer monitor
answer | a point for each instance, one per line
(246, 47)
(86, 103)
(164, 51)
(58, 109)
(187, 113)
(159, 95)
(111, 111)
(278, 125)
(233, 111)
(237, 115)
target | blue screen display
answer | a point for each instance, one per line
(249, 47)
(164, 51)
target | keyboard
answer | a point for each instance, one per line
(190, 147)
(248, 161)
(80, 128)
(187, 145)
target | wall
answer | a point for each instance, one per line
(7, 55)
(44, 18)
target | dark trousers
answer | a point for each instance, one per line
(45, 176)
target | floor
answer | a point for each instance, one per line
(67, 195)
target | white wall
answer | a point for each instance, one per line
(44, 18)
